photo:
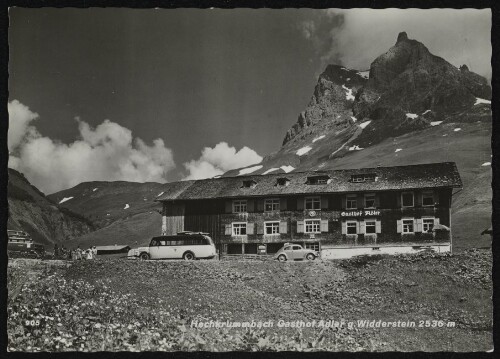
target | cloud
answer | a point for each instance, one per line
(19, 118)
(108, 153)
(219, 159)
(460, 36)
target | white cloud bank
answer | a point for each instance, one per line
(108, 153)
(219, 159)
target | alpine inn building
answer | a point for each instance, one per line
(340, 212)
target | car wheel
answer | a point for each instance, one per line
(310, 257)
(282, 258)
(188, 256)
(144, 256)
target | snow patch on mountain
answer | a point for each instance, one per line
(411, 115)
(457, 129)
(398, 149)
(482, 100)
(303, 150)
(287, 168)
(248, 170)
(364, 124)
(159, 194)
(354, 118)
(95, 189)
(364, 74)
(423, 113)
(318, 138)
(435, 123)
(486, 164)
(355, 148)
(348, 94)
(65, 199)
(126, 206)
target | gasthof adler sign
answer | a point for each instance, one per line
(360, 213)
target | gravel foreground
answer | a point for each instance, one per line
(363, 304)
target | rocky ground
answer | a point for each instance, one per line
(151, 305)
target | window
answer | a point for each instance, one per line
(370, 227)
(370, 200)
(407, 199)
(313, 203)
(313, 246)
(427, 199)
(408, 226)
(318, 180)
(427, 224)
(351, 202)
(283, 181)
(239, 229)
(249, 183)
(312, 226)
(296, 248)
(271, 205)
(366, 177)
(352, 227)
(239, 206)
(272, 227)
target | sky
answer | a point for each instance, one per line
(163, 95)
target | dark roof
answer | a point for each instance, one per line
(112, 248)
(432, 175)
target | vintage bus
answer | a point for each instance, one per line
(184, 245)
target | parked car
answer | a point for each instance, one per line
(20, 244)
(295, 252)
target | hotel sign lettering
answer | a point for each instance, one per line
(361, 213)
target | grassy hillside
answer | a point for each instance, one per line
(154, 302)
(31, 211)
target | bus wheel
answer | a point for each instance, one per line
(282, 258)
(144, 256)
(188, 256)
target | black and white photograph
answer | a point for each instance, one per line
(219, 180)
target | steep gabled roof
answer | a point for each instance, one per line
(432, 175)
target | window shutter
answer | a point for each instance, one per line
(250, 205)
(324, 225)
(357, 227)
(399, 226)
(344, 202)
(283, 227)
(228, 230)
(344, 227)
(250, 228)
(300, 203)
(378, 227)
(260, 205)
(260, 228)
(377, 200)
(362, 227)
(300, 226)
(418, 225)
(283, 203)
(398, 200)
(436, 221)
(324, 202)
(229, 206)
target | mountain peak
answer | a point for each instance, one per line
(402, 36)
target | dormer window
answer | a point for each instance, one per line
(282, 181)
(249, 184)
(318, 180)
(364, 177)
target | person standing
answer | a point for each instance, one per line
(94, 252)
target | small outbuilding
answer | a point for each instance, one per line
(116, 251)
